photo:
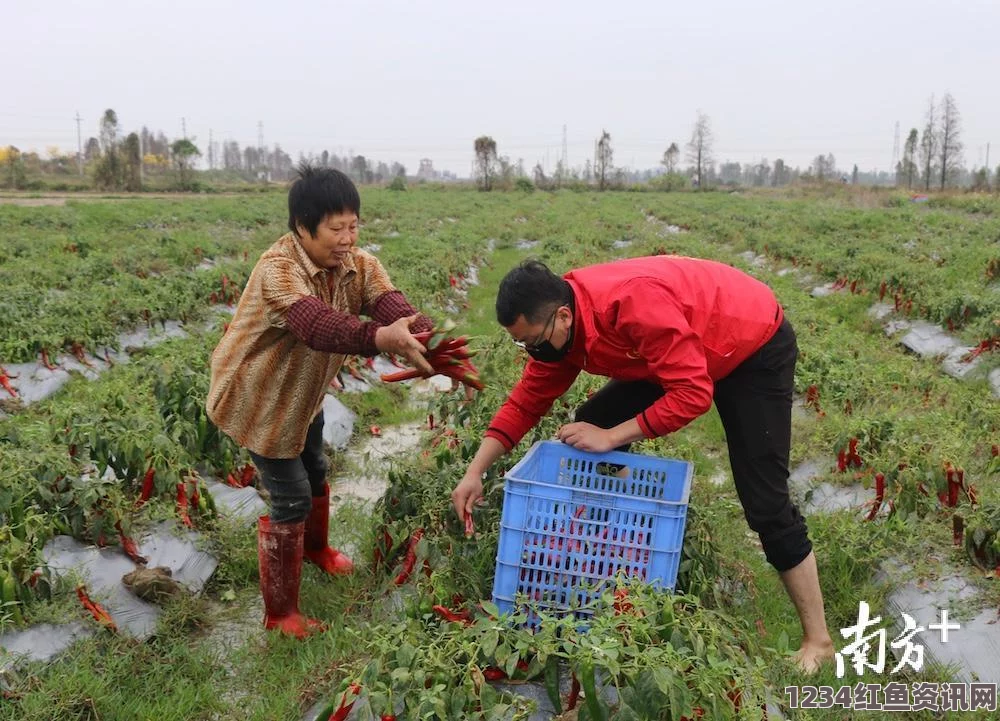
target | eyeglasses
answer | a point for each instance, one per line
(546, 334)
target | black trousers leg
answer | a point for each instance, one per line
(755, 404)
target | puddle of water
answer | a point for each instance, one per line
(808, 470)
(40, 643)
(524, 244)
(368, 462)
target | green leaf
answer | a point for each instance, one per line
(489, 643)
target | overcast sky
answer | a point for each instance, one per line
(403, 80)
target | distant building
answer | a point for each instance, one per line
(427, 171)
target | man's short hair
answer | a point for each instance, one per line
(531, 290)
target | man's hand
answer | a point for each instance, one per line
(586, 437)
(467, 495)
(396, 338)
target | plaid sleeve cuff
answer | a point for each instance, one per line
(324, 329)
(390, 307)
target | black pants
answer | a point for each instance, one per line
(293, 482)
(755, 404)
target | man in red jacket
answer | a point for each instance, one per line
(673, 334)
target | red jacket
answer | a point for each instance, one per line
(680, 322)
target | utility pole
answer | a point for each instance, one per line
(142, 161)
(988, 167)
(79, 145)
(211, 155)
(565, 153)
(184, 132)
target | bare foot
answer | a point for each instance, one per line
(812, 655)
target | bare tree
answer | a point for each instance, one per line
(603, 156)
(928, 144)
(949, 138)
(486, 161)
(670, 157)
(232, 158)
(699, 148)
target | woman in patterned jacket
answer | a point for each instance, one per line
(296, 321)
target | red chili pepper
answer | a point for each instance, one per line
(953, 489)
(77, 350)
(182, 505)
(622, 604)
(406, 375)
(128, 545)
(971, 493)
(492, 673)
(375, 431)
(463, 617)
(45, 360)
(881, 290)
(5, 382)
(879, 496)
(246, 475)
(95, 609)
(957, 529)
(147, 487)
(388, 717)
(344, 710)
(411, 557)
(574, 693)
(470, 526)
(841, 461)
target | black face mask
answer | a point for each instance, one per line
(548, 353)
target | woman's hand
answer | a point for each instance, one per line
(396, 338)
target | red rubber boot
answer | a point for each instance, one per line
(317, 539)
(279, 550)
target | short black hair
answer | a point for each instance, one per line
(531, 290)
(318, 192)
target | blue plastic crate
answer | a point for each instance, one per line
(573, 520)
